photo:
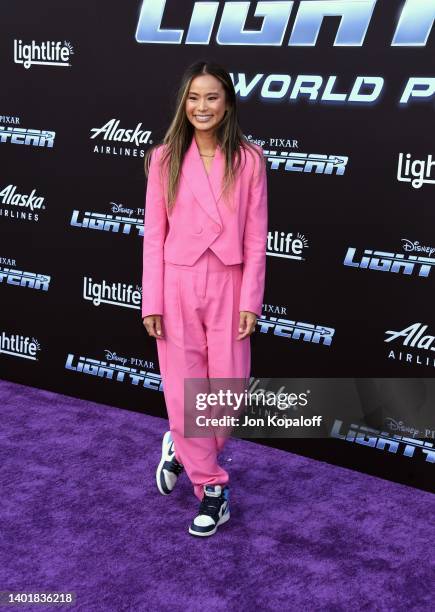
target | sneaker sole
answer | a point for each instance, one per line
(162, 461)
(221, 521)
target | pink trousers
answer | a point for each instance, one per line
(200, 327)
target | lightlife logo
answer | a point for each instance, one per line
(110, 132)
(285, 245)
(49, 53)
(17, 204)
(19, 278)
(417, 172)
(134, 371)
(307, 332)
(128, 220)
(16, 345)
(116, 294)
(413, 337)
(384, 261)
(382, 440)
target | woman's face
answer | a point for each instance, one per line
(206, 103)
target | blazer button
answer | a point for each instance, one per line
(217, 228)
(198, 230)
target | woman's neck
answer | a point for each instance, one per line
(206, 141)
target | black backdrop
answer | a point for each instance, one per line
(83, 231)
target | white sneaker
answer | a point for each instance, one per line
(214, 510)
(168, 469)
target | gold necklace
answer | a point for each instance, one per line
(201, 154)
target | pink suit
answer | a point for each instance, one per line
(202, 265)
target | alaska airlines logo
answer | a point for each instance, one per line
(413, 337)
(111, 132)
(412, 30)
(9, 195)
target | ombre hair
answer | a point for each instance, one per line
(180, 132)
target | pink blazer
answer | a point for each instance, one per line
(201, 219)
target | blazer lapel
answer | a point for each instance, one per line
(207, 189)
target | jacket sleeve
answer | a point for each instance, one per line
(254, 242)
(155, 226)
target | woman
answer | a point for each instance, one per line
(204, 260)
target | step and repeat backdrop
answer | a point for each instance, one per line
(340, 94)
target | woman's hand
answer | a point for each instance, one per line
(248, 321)
(153, 325)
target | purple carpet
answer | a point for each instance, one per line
(80, 512)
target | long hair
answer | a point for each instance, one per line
(180, 132)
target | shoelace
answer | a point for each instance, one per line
(176, 467)
(210, 505)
